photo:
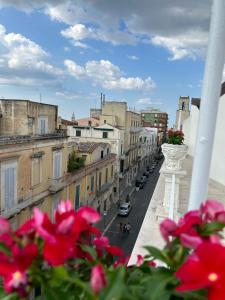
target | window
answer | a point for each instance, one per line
(92, 183)
(57, 164)
(55, 202)
(30, 125)
(99, 179)
(105, 135)
(36, 171)
(111, 170)
(43, 125)
(77, 197)
(102, 154)
(106, 175)
(78, 132)
(104, 121)
(121, 149)
(107, 150)
(8, 184)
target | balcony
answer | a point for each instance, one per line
(104, 188)
(56, 185)
(135, 129)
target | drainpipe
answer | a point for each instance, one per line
(209, 105)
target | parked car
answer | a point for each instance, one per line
(143, 179)
(146, 174)
(124, 209)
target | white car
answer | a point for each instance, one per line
(124, 209)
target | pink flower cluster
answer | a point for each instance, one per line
(60, 242)
(204, 267)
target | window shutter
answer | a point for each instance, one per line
(57, 165)
(10, 188)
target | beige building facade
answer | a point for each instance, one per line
(34, 167)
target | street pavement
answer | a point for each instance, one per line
(139, 201)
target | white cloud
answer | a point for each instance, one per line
(74, 69)
(133, 57)
(79, 32)
(188, 45)
(148, 101)
(67, 49)
(22, 58)
(173, 25)
(107, 75)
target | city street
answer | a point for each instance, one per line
(139, 201)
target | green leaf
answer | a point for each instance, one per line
(116, 285)
(89, 250)
(210, 228)
(5, 249)
(157, 254)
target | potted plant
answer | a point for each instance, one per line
(174, 150)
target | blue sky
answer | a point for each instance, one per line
(145, 52)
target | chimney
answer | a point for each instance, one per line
(101, 100)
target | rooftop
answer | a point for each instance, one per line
(26, 100)
(86, 121)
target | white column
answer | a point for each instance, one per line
(209, 105)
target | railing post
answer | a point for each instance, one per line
(209, 105)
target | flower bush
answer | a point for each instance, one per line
(71, 259)
(175, 137)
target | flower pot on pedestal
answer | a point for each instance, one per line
(173, 154)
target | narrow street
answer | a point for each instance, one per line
(139, 201)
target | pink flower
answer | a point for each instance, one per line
(4, 226)
(210, 208)
(14, 269)
(204, 269)
(190, 241)
(151, 264)
(122, 261)
(65, 206)
(167, 228)
(188, 223)
(140, 260)
(98, 278)
(114, 251)
(89, 214)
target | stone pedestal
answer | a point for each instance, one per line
(173, 154)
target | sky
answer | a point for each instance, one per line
(66, 52)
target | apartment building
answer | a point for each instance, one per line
(24, 117)
(93, 184)
(32, 155)
(103, 133)
(34, 163)
(156, 119)
(129, 123)
(148, 146)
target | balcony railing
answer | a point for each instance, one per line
(17, 139)
(56, 185)
(104, 188)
